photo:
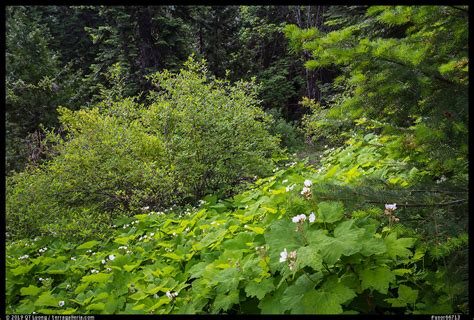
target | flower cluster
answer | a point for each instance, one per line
(302, 218)
(290, 258)
(389, 209)
(306, 192)
(299, 218)
(171, 295)
(441, 179)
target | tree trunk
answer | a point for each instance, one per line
(149, 55)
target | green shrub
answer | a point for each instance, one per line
(291, 136)
(194, 136)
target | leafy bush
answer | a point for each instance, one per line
(196, 135)
(290, 136)
(254, 253)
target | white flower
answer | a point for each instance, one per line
(308, 183)
(23, 257)
(289, 188)
(441, 179)
(305, 190)
(43, 250)
(171, 295)
(299, 218)
(108, 269)
(152, 234)
(391, 206)
(283, 255)
(312, 217)
(73, 258)
(187, 229)
(68, 286)
(123, 247)
(61, 303)
(103, 261)
(285, 181)
(94, 271)
(145, 208)
(40, 279)
(111, 257)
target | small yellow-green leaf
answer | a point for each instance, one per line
(98, 277)
(88, 245)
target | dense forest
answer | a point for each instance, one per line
(236, 159)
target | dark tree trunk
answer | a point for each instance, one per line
(149, 55)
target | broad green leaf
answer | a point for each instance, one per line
(332, 171)
(31, 290)
(173, 256)
(330, 211)
(398, 247)
(102, 295)
(295, 292)
(22, 269)
(257, 230)
(346, 241)
(371, 245)
(239, 241)
(406, 295)
(225, 301)
(124, 240)
(46, 299)
(88, 245)
(58, 268)
(259, 290)
(96, 306)
(378, 278)
(271, 304)
(98, 277)
(227, 280)
(141, 216)
(140, 295)
(309, 256)
(80, 288)
(197, 270)
(280, 235)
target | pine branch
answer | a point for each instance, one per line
(435, 76)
